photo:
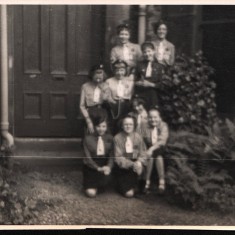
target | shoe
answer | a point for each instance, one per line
(161, 188)
(146, 189)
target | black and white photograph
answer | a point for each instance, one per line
(117, 115)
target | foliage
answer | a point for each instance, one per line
(14, 210)
(200, 172)
(188, 94)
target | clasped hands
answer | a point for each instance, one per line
(106, 170)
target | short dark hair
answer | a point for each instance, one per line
(156, 25)
(97, 120)
(139, 100)
(155, 108)
(128, 116)
(120, 62)
(94, 68)
(147, 45)
(123, 26)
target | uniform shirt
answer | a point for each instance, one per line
(168, 56)
(87, 96)
(135, 54)
(112, 84)
(90, 149)
(162, 131)
(124, 160)
(157, 71)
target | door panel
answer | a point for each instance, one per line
(54, 49)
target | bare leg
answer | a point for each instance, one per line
(161, 172)
(149, 170)
(91, 192)
(129, 193)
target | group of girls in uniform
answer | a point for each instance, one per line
(125, 135)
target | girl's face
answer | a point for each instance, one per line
(138, 107)
(128, 125)
(148, 54)
(162, 31)
(154, 118)
(98, 76)
(120, 73)
(124, 36)
(101, 128)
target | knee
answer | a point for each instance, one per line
(91, 192)
(130, 193)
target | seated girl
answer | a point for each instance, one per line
(148, 76)
(130, 157)
(92, 96)
(139, 112)
(155, 135)
(98, 161)
(119, 93)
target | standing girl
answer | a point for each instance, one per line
(98, 161)
(148, 76)
(155, 136)
(130, 157)
(125, 50)
(165, 51)
(92, 96)
(119, 91)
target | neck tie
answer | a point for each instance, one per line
(160, 51)
(100, 146)
(129, 145)
(154, 135)
(96, 97)
(139, 119)
(126, 54)
(149, 69)
(120, 89)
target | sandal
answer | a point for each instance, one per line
(161, 187)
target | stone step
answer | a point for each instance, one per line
(68, 148)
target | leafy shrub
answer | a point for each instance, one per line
(188, 184)
(188, 94)
(14, 210)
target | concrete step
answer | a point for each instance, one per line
(68, 148)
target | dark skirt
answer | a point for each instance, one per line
(94, 179)
(116, 112)
(126, 179)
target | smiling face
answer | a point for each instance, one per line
(162, 31)
(148, 53)
(101, 128)
(138, 108)
(120, 72)
(124, 36)
(98, 76)
(154, 118)
(128, 125)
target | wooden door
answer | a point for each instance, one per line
(54, 47)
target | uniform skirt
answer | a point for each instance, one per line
(94, 179)
(126, 179)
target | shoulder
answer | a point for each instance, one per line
(85, 85)
(134, 45)
(164, 125)
(109, 137)
(109, 80)
(88, 138)
(118, 137)
(169, 44)
(138, 136)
